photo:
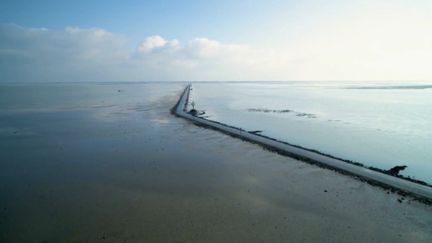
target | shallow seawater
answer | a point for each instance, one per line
(377, 124)
(108, 163)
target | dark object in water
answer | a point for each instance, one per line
(299, 114)
(193, 112)
(255, 132)
(269, 110)
(395, 170)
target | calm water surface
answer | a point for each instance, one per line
(109, 163)
(378, 124)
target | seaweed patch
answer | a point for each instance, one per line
(299, 114)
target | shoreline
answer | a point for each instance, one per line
(403, 185)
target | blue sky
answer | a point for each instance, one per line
(224, 20)
(215, 40)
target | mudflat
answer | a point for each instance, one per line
(109, 163)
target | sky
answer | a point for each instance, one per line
(79, 41)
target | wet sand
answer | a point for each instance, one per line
(132, 172)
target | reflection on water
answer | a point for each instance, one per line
(87, 163)
(377, 124)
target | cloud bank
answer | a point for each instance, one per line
(76, 54)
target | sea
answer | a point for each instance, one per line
(93, 162)
(378, 124)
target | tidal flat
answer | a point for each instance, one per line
(107, 162)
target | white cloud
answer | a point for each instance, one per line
(76, 54)
(73, 54)
(205, 59)
(151, 43)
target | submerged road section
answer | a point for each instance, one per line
(422, 192)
